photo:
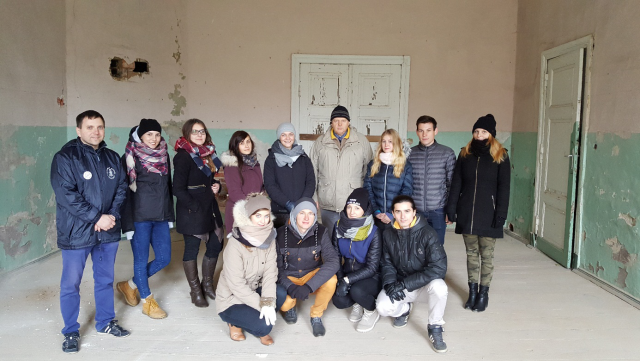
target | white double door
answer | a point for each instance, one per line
(371, 93)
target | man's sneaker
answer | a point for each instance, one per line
(402, 320)
(131, 295)
(317, 326)
(114, 329)
(151, 308)
(71, 342)
(290, 316)
(368, 322)
(356, 313)
(435, 335)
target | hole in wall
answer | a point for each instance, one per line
(595, 146)
(121, 70)
(511, 226)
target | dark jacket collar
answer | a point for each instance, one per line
(422, 147)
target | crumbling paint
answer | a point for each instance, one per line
(114, 138)
(176, 55)
(609, 213)
(630, 221)
(27, 215)
(10, 158)
(173, 130)
(179, 101)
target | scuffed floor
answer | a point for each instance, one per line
(537, 311)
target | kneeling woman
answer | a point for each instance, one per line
(307, 263)
(246, 294)
(357, 241)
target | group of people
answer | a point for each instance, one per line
(372, 241)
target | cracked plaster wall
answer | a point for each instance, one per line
(609, 243)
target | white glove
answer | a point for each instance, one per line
(129, 235)
(269, 315)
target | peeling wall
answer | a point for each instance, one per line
(148, 29)
(609, 243)
(32, 125)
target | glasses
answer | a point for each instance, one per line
(200, 132)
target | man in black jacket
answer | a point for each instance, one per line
(89, 184)
(413, 261)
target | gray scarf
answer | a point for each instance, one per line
(286, 156)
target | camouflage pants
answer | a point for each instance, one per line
(479, 247)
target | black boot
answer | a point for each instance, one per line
(191, 271)
(483, 299)
(208, 269)
(473, 292)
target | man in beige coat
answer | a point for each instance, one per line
(340, 158)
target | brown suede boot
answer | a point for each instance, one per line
(151, 308)
(191, 271)
(131, 296)
(208, 269)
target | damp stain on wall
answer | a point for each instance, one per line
(179, 101)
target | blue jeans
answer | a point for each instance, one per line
(156, 235)
(437, 221)
(103, 257)
(248, 318)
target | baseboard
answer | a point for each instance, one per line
(517, 236)
(609, 288)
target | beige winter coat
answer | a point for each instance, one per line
(339, 169)
(245, 269)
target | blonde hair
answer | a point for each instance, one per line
(497, 151)
(399, 158)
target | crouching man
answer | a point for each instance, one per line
(413, 261)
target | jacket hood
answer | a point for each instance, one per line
(241, 218)
(228, 159)
(133, 135)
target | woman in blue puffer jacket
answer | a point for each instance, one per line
(388, 175)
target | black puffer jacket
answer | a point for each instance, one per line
(288, 183)
(197, 210)
(479, 195)
(353, 269)
(298, 257)
(413, 255)
(153, 198)
(87, 183)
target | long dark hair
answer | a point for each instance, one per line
(234, 149)
(186, 134)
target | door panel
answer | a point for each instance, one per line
(322, 88)
(376, 95)
(558, 155)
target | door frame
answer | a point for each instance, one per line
(587, 44)
(404, 61)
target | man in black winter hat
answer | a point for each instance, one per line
(338, 171)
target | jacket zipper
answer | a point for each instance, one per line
(475, 190)
(385, 188)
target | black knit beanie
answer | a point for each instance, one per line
(359, 197)
(340, 112)
(488, 123)
(148, 125)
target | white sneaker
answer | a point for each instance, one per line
(356, 313)
(368, 322)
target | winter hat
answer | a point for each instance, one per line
(286, 127)
(359, 197)
(148, 125)
(340, 112)
(256, 201)
(488, 123)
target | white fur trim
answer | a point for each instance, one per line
(240, 216)
(228, 160)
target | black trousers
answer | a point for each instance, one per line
(192, 247)
(363, 292)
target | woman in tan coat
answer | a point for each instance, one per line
(246, 295)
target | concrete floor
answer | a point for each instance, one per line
(538, 311)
